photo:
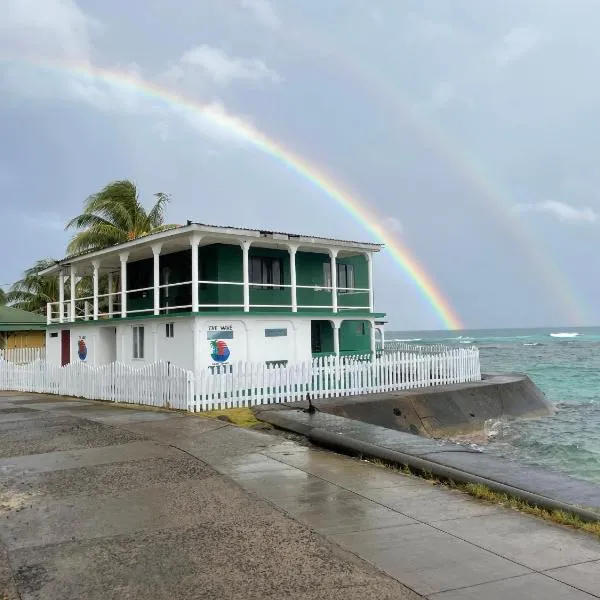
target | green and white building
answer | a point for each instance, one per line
(200, 295)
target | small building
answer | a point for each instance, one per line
(21, 329)
(201, 295)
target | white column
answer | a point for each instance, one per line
(61, 297)
(370, 270)
(292, 251)
(73, 286)
(246, 271)
(336, 338)
(96, 265)
(156, 248)
(48, 313)
(373, 337)
(111, 299)
(195, 244)
(196, 346)
(124, 256)
(334, 299)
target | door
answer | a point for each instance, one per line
(65, 347)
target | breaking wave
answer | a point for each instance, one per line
(565, 334)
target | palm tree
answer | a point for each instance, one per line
(33, 291)
(115, 215)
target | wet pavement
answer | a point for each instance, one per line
(127, 503)
(545, 483)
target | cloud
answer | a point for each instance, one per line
(223, 69)
(393, 224)
(560, 210)
(52, 28)
(516, 43)
(443, 93)
(264, 12)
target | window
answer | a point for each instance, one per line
(267, 272)
(138, 342)
(345, 276)
(55, 334)
(275, 332)
(219, 335)
(170, 330)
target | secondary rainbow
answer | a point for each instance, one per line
(350, 202)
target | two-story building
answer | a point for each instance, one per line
(201, 295)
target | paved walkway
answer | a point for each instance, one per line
(99, 502)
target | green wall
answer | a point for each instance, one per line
(355, 336)
(221, 262)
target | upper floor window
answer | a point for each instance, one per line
(345, 277)
(267, 272)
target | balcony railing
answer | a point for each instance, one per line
(212, 296)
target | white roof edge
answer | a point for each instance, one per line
(195, 227)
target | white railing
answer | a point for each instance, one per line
(109, 303)
(249, 384)
(392, 346)
(244, 384)
(22, 355)
(156, 384)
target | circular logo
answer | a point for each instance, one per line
(81, 350)
(219, 351)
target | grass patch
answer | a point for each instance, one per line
(482, 492)
(242, 417)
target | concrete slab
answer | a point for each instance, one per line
(83, 517)
(526, 587)
(428, 560)
(430, 503)
(349, 473)
(250, 463)
(49, 434)
(525, 540)
(70, 459)
(584, 576)
(46, 405)
(113, 478)
(236, 561)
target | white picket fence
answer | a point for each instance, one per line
(249, 384)
(393, 346)
(22, 355)
(244, 384)
(156, 384)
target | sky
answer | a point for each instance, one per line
(468, 130)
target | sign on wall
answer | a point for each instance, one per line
(82, 350)
(219, 337)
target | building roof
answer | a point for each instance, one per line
(15, 319)
(174, 238)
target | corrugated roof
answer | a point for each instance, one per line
(16, 317)
(261, 231)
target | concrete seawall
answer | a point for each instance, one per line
(446, 410)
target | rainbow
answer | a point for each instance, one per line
(356, 207)
(396, 102)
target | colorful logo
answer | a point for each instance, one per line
(81, 349)
(219, 351)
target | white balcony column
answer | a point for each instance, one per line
(292, 250)
(336, 337)
(111, 299)
(246, 270)
(334, 298)
(61, 297)
(48, 313)
(195, 244)
(123, 257)
(95, 279)
(373, 345)
(156, 248)
(369, 257)
(73, 290)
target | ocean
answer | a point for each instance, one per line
(565, 364)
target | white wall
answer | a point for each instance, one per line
(244, 340)
(53, 347)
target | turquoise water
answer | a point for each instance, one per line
(565, 364)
